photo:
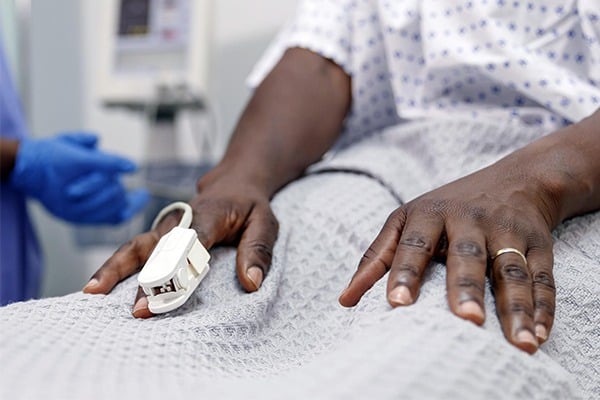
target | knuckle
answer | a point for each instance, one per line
(129, 246)
(508, 219)
(406, 272)
(372, 257)
(233, 216)
(516, 307)
(546, 306)
(538, 239)
(435, 207)
(133, 250)
(520, 308)
(544, 279)
(530, 228)
(108, 271)
(476, 213)
(471, 284)
(397, 218)
(438, 207)
(512, 272)
(468, 248)
(416, 241)
(262, 249)
(507, 224)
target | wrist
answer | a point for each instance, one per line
(8, 155)
(568, 169)
(238, 175)
(580, 149)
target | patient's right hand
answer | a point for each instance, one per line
(227, 210)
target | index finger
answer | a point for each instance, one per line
(126, 261)
(130, 257)
(376, 261)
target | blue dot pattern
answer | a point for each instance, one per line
(535, 61)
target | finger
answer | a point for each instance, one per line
(466, 263)
(126, 261)
(84, 139)
(108, 163)
(376, 261)
(140, 305)
(511, 282)
(255, 250)
(87, 184)
(416, 247)
(544, 292)
(136, 201)
(104, 206)
(85, 160)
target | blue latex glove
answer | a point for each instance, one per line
(75, 181)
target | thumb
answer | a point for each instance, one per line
(136, 201)
(84, 139)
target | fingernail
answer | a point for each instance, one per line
(140, 305)
(92, 284)
(400, 295)
(541, 332)
(471, 311)
(255, 274)
(525, 336)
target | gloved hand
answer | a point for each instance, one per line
(75, 181)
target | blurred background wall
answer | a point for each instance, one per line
(61, 55)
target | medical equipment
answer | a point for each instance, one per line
(153, 63)
(156, 62)
(154, 44)
(176, 266)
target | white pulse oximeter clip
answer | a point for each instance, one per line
(176, 266)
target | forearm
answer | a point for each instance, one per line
(292, 119)
(8, 154)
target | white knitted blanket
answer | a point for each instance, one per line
(291, 339)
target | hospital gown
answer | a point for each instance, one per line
(440, 89)
(535, 62)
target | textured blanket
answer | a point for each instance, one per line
(291, 339)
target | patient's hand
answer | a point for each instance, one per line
(226, 211)
(507, 205)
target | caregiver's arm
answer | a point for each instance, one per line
(71, 177)
(292, 119)
(512, 204)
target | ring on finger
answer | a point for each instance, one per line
(505, 250)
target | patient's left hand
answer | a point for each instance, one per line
(467, 222)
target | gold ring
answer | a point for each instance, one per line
(509, 250)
